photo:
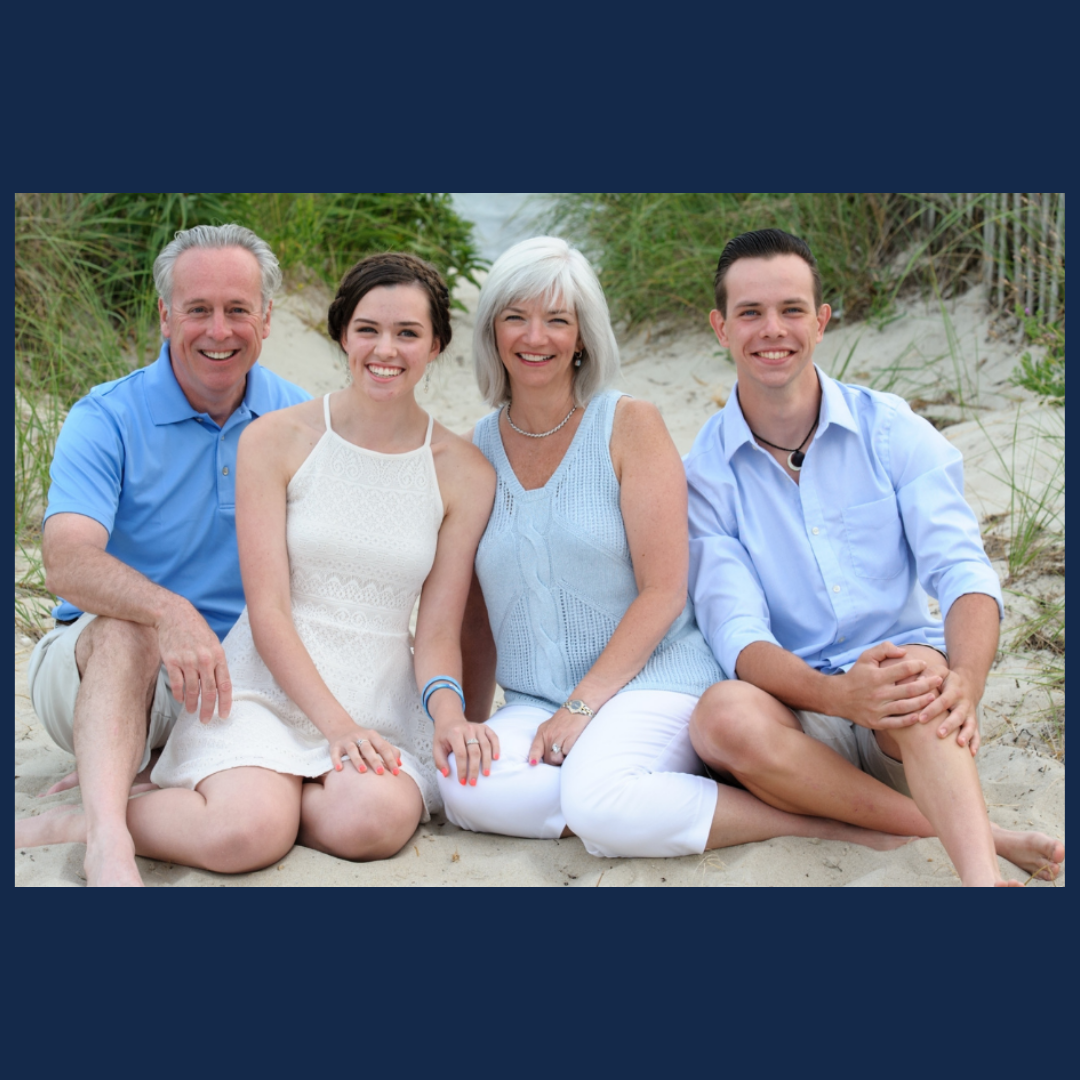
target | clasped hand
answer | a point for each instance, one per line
(886, 690)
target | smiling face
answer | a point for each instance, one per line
(537, 340)
(772, 325)
(215, 326)
(389, 341)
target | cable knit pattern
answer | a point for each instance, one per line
(557, 577)
(361, 529)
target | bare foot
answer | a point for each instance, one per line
(69, 781)
(1034, 852)
(60, 825)
(110, 861)
(1007, 885)
(140, 784)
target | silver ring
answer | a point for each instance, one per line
(473, 742)
(556, 748)
(360, 742)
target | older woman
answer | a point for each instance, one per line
(583, 570)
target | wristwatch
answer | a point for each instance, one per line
(578, 707)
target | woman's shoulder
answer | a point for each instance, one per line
(465, 476)
(459, 452)
(639, 435)
(285, 433)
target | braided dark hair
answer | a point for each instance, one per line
(391, 268)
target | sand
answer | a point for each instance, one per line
(953, 363)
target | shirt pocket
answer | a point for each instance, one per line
(875, 539)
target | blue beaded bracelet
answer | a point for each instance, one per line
(440, 682)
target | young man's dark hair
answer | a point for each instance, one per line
(763, 244)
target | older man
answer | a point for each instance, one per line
(820, 516)
(140, 537)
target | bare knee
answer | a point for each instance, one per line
(364, 830)
(129, 649)
(262, 835)
(728, 726)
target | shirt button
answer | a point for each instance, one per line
(815, 530)
(835, 588)
(222, 438)
(225, 472)
(840, 641)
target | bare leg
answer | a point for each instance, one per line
(946, 788)
(233, 822)
(118, 662)
(742, 730)
(741, 818)
(360, 816)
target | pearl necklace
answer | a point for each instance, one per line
(534, 434)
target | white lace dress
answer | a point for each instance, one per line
(361, 530)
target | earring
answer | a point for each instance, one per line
(427, 377)
(578, 357)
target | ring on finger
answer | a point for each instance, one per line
(556, 748)
(473, 742)
(360, 742)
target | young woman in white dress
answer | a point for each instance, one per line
(348, 507)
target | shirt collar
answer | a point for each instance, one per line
(165, 399)
(834, 410)
(169, 405)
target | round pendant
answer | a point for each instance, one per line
(795, 460)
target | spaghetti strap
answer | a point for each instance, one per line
(326, 411)
(430, 428)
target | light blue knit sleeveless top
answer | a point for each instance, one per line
(555, 568)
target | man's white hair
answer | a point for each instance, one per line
(216, 236)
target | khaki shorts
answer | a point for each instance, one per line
(856, 744)
(53, 675)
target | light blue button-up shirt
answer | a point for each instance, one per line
(161, 478)
(843, 560)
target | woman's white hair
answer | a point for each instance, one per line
(217, 236)
(548, 268)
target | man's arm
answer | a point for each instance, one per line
(79, 569)
(881, 690)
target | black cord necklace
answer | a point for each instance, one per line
(795, 457)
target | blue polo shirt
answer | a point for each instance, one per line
(161, 478)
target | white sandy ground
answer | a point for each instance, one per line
(953, 364)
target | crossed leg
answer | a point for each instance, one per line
(745, 732)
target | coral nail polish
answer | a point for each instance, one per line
(463, 781)
(487, 772)
(532, 761)
(472, 782)
(379, 771)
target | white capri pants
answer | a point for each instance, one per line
(632, 785)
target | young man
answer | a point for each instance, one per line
(821, 515)
(140, 533)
